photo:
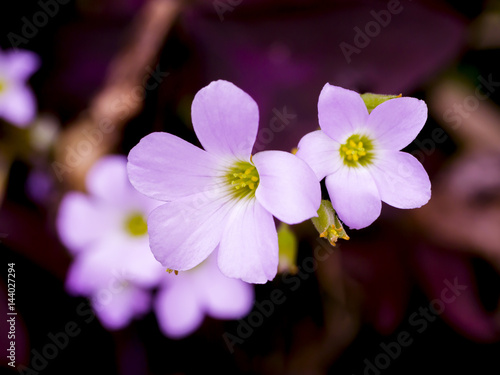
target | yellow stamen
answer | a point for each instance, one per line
(243, 179)
(357, 151)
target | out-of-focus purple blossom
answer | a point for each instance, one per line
(17, 101)
(185, 299)
(106, 231)
(221, 197)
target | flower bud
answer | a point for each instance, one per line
(328, 224)
(373, 100)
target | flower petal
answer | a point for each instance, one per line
(18, 105)
(82, 220)
(184, 232)
(397, 122)
(110, 261)
(223, 297)
(165, 167)
(249, 246)
(354, 196)
(116, 310)
(178, 309)
(108, 180)
(138, 263)
(288, 187)
(320, 152)
(19, 65)
(90, 270)
(225, 119)
(340, 112)
(401, 180)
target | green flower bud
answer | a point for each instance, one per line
(328, 224)
(373, 100)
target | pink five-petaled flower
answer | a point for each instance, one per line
(183, 300)
(106, 231)
(17, 102)
(221, 197)
(359, 155)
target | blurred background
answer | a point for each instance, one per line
(380, 303)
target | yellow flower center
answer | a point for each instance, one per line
(358, 150)
(243, 180)
(136, 225)
(3, 85)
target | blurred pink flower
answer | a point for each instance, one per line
(106, 230)
(221, 197)
(359, 155)
(17, 102)
(185, 299)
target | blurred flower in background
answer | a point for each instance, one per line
(106, 231)
(17, 101)
(184, 299)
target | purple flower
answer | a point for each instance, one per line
(106, 230)
(221, 197)
(359, 155)
(185, 299)
(17, 102)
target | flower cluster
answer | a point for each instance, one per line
(106, 231)
(207, 215)
(223, 199)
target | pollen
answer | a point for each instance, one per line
(243, 180)
(357, 151)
